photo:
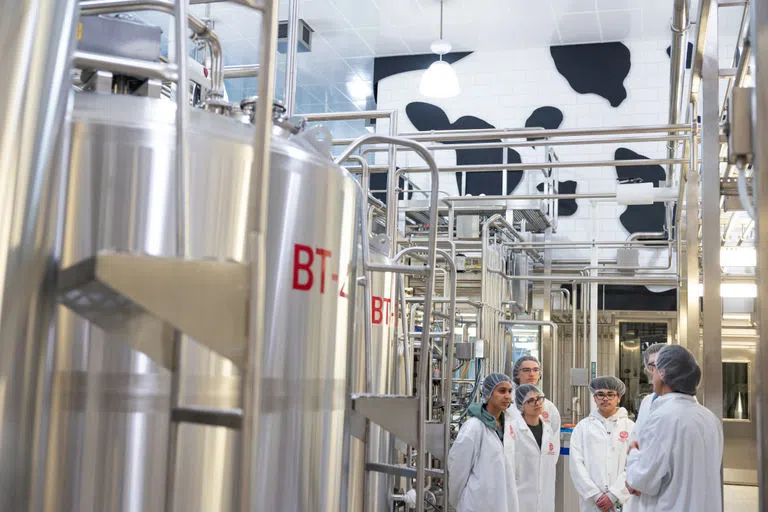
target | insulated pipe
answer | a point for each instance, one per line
(574, 336)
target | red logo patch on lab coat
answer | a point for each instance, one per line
(545, 415)
(624, 435)
(551, 449)
(511, 432)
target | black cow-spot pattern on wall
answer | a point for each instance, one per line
(425, 117)
(688, 56)
(598, 68)
(378, 182)
(549, 118)
(643, 218)
(565, 207)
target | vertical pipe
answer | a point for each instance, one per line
(182, 227)
(392, 187)
(759, 22)
(290, 60)
(38, 38)
(693, 307)
(574, 335)
(548, 355)
(712, 380)
(258, 190)
(593, 310)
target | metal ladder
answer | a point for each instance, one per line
(405, 416)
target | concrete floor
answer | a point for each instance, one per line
(740, 498)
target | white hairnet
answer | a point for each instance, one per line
(653, 349)
(609, 382)
(519, 363)
(522, 391)
(491, 381)
(681, 371)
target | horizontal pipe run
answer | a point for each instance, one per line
(533, 166)
(137, 67)
(671, 280)
(398, 269)
(528, 197)
(242, 71)
(535, 143)
(466, 135)
(347, 116)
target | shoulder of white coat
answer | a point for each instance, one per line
(473, 427)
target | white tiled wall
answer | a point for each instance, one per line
(505, 87)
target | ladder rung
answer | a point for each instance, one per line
(230, 418)
(401, 470)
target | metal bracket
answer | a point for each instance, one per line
(206, 300)
(399, 415)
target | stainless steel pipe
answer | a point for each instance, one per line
(158, 70)
(241, 71)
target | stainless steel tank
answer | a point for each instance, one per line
(373, 494)
(111, 412)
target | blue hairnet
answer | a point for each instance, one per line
(491, 381)
(519, 363)
(681, 371)
(609, 382)
(522, 391)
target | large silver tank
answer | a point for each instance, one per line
(110, 427)
(375, 496)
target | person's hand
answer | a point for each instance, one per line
(604, 503)
(634, 445)
(631, 490)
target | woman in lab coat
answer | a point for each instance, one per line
(480, 468)
(536, 452)
(599, 446)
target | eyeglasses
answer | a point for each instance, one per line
(602, 396)
(530, 370)
(651, 366)
(534, 401)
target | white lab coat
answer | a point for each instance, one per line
(678, 464)
(642, 415)
(535, 468)
(597, 457)
(552, 417)
(481, 477)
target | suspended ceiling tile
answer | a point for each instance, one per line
(348, 43)
(572, 6)
(579, 28)
(401, 12)
(360, 13)
(384, 41)
(322, 15)
(621, 25)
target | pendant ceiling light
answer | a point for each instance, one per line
(440, 80)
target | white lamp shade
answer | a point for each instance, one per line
(439, 81)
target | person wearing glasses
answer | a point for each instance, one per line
(536, 451)
(599, 446)
(675, 463)
(649, 358)
(480, 462)
(527, 370)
